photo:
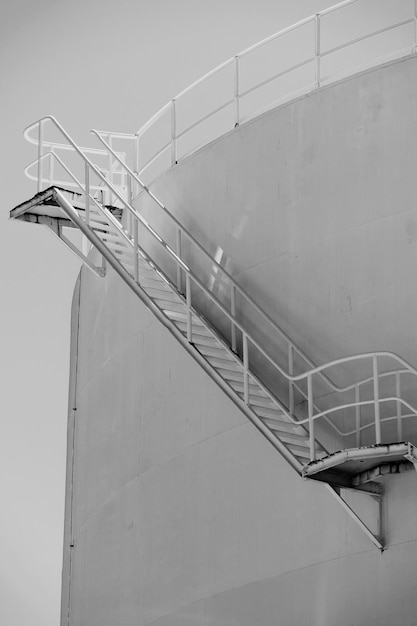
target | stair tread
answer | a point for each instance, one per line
(282, 426)
(228, 364)
(254, 389)
(175, 315)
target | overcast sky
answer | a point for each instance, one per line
(90, 63)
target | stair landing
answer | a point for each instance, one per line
(357, 467)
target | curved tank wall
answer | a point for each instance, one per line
(178, 511)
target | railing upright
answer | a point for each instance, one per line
(179, 255)
(358, 415)
(40, 152)
(415, 25)
(245, 369)
(130, 218)
(317, 48)
(173, 133)
(135, 249)
(376, 399)
(51, 166)
(137, 155)
(188, 301)
(290, 383)
(87, 193)
(398, 403)
(311, 417)
(236, 90)
(233, 312)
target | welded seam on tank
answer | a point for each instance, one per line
(260, 581)
(74, 409)
(139, 477)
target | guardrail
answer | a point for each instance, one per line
(48, 153)
(248, 346)
(312, 53)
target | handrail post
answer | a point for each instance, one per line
(317, 48)
(179, 272)
(51, 166)
(188, 301)
(245, 369)
(135, 248)
(87, 193)
(129, 199)
(290, 382)
(236, 90)
(399, 418)
(358, 415)
(376, 399)
(40, 152)
(110, 165)
(173, 133)
(136, 163)
(415, 26)
(310, 417)
(233, 312)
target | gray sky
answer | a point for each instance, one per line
(90, 63)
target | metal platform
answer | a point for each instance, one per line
(43, 208)
(357, 468)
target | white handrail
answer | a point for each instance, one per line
(239, 94)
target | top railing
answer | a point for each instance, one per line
(316, 51)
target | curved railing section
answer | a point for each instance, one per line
(49, 167)
(373, 403)
(316, 51)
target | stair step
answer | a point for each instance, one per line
(120, 245)
(230, 374)
(301, 455)
(254, 389)
(292, 438)
(175, 316)
(210, 342)
(211, 351)
(113, 235)
(155, 284)
(162, 294)
(269, 412)
(154, 280)
(227, 364)
(168, 307)
(196, 328)
(262, 403)
(284, 427)
(145, 269)
(297, 450)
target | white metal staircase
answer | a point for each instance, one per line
(95, 191)
(170, 292)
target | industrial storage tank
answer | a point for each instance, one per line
(180, 511)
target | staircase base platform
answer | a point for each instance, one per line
(358, 468)
(43, 208)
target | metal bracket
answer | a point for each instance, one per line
(56, 228)
(376, 539)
